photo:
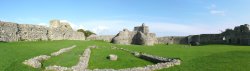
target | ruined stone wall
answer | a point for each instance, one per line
(140, 36)
(143, 28)
(172, 40)
(63, 31)
(26, 32)
(211, 39)
(107, 38)
(124, 37)
(8, 31)
(206, 39)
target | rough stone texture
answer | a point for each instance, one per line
(26, 32)
(139, 36)
(63, 31)
(62, 51)
(36, 61)
(8, 31)
(238, 35)
(83, 61)
(106, 38)
(112, 57)
(57, 68)
(172, 40)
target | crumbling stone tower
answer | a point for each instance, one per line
(142, 28)
(139, 36)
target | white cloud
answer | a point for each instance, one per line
(108, 27)
(214, 10)
(73, 25)
(43, 24)
(112, 27)
(100, 29)
(217, 12)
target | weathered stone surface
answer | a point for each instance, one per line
(36, 61)
(112, 57)
(106, 38)
(62, 51)
(140, 36)
(172, 40)
(8, 31)
(57, 68)
(63, 31)
(26, 32)
(83, 61)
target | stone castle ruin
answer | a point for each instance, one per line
(139, 36)
(58, 30)
(239, 35)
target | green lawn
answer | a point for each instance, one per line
(216, 57)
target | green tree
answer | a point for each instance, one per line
(87, 33)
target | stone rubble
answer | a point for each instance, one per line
(36, 61)
(62, 51)
(112, 57)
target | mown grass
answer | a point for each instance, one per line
(125, 60)
(213, 57)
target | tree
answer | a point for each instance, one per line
(87, 33)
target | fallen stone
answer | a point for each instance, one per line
(36, 61)
(112, 57)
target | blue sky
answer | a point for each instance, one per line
(108, 17)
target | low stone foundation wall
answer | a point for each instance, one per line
(62, 51)
(160, 62)
(156, 59)
(83, 61)
(36, 61)
(81, 66)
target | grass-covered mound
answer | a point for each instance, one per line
(194, 58)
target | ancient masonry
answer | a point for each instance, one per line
(239, 35)
(139, 36)
(58, 30)
(160, 62)
(106, 38)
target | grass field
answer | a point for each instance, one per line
(213, 57)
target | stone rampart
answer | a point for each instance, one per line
(26, 32)
(172, 40)
(106, 38)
